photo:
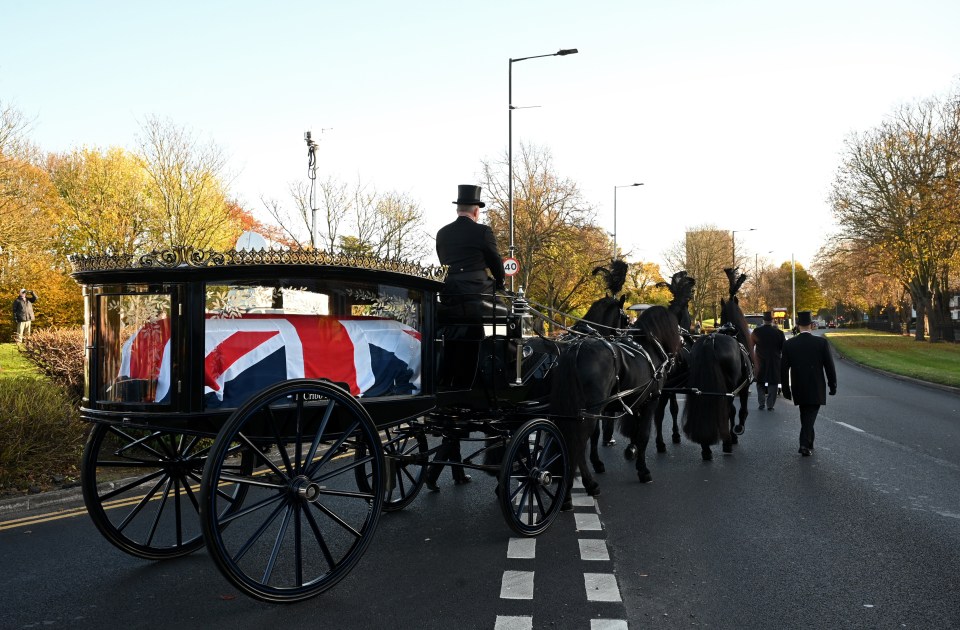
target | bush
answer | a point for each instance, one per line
(42, 435)
(58, 353)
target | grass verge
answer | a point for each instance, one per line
(15, 365)
(898, 354)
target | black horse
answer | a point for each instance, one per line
(620, 377)
(721, 369)
(681, 287)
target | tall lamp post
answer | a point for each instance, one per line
(560, 53)
(614, 256)
(733, 243)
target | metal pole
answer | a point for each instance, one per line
(510, 159)
(793, 287)
(614, 255)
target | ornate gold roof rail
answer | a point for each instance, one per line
(190, 257)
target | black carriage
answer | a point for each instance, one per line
(271, 404)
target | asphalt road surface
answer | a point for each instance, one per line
(863, 534)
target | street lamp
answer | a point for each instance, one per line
(560, 53)
(733, 243)
(615, 215)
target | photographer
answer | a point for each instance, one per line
(23, 313)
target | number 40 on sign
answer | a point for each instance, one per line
(510, 266)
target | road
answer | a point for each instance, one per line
(863, 534)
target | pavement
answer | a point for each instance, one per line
(54, 500)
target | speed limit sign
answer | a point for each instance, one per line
(510, 266)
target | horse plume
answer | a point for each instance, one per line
(735, 281)
(614, 277)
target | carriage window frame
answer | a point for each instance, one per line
(109, 352)
(356, 299)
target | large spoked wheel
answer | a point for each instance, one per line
(405, 451)
(533, 478)
(306, 519)
(141, 488)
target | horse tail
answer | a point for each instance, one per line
(703, 415)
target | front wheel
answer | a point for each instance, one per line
(534, 477)
(307, 518)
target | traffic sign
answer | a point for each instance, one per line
(510, 266)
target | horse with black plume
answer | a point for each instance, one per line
(681, 288)
(721, 369)
(609, 378)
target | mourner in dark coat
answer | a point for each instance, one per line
(768, 343)
(805, 362)
(474, 272)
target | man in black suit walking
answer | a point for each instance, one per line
(768, 343)
(806, 359)
(468, 249)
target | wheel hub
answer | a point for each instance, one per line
(305, 488)
(542, 477)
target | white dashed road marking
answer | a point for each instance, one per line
(601, 587)
(850, 426)
(515, 623)
(517, 585)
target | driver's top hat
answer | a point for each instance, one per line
(468, 195)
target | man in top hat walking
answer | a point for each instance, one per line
(469, 250)
(768, 343)
(806, 359)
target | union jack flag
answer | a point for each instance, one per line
(371, 356)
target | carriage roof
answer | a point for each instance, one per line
(184, 264)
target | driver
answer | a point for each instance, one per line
(469, 250)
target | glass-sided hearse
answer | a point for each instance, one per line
(271, 403)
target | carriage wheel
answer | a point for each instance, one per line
(141, 488)
(533, 477)
(306, 520)
(404, 478)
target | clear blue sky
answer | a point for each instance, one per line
(731, 113)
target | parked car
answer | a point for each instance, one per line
(831, 324)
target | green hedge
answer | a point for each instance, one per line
(42, 435)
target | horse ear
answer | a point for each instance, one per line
(623, 298)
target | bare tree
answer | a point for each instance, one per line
(188, 188)
(895, 200)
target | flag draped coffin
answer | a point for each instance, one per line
(370, 356)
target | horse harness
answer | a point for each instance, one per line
(621, 348)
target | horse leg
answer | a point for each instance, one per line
(733, 415)
(658, 422)
(705, 452)
(744, 407)
(641, 437)
(594, 451)
(675, 412)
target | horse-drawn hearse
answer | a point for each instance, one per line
(270, 404)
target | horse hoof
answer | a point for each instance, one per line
(645, 477)
(661, 448)
(593, 489)
(676, 439)
(707, 456)
(733, 439)
(728, 448)
(599, 467)
(630, 453)
(566, 506)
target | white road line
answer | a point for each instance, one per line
(587, 522)
(515, 623)
(608, 624)
(593, 549)
(601, 587)
(583, 500)
(850, 426)
(517, 585)
(522, 548)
